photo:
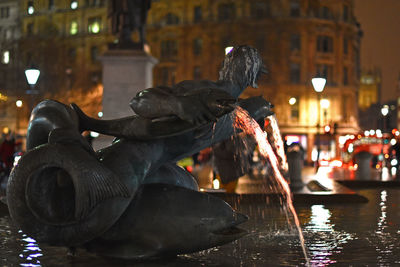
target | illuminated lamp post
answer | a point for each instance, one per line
(318, 84)
(325, 103)
(19, 104)
(385, 112)
(32, 75)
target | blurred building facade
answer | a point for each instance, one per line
(369, 100)
(64, 39)
(9, 65)
(297, 39)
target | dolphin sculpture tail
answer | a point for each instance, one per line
(59, 189)
(61, 194)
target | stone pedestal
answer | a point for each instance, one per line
(125, 73)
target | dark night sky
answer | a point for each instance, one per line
(380, 45)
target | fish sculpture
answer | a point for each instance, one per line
(130, 200)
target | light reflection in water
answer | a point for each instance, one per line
(386, 243)
(385, 174)
(326, 240)
(382, 217)
(31, 251)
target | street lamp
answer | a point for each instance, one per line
(32, 75)
(385, 112)
(318, 84)
(325, 103)
(19, 104)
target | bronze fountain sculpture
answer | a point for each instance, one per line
(130, 200)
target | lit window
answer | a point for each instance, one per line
(74, 4)
(94, 25)
(30, 8)
(73, 27)
(6, 57)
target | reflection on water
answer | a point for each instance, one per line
(327, 240)
(30, 252)
(338, 235)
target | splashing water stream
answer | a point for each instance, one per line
(248, 125)
(274, 138)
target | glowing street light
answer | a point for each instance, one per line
(292, 101)
(325, 103)
(32, 75)
(319, 85)
(385, 110)
(18, 103)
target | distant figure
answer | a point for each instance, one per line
(126, 17)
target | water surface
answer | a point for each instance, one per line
(337, 235)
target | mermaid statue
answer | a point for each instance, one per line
(130, 200)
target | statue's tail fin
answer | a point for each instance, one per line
(62, 195)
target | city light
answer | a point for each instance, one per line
(32, 75)
(318, 84)
(216, 184)
(327, 128)
(94, 134)
(74, 28)
(6, 57)
(31, 10)
(100, 114)
(74, 4)
(18, 103)
(325, 103)
(228, 49)
(385, 110)
(292, 101)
